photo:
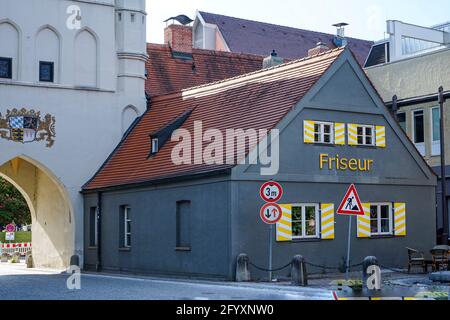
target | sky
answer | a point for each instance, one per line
(366, 18)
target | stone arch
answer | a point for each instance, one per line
(86, 52)
(48, 48)
(53, 229)
(129, 114)
(11, 34)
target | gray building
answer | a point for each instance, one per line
(147, 212)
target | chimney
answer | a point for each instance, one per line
(272, 60)
(179, 38)
(319, 48)
(339, 39)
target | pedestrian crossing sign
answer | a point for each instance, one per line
(351, 204)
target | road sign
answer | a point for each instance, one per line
(270, 213)
(351, 204)
(271, 191)
(10, 228)
(9, 236)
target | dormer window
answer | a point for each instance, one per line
(160, 137)
(155, 145)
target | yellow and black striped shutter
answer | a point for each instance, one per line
(284, 226)
(352, 134)
(308, 131)
(363, 226)
(400, 219)
(327, 221)
(339, 134)
(380, 136)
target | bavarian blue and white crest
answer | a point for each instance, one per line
(27, 126)
(23, 128)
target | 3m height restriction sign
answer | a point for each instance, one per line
(351, 204)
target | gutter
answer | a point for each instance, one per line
(151, 183)
(417, 100)
(99, 232)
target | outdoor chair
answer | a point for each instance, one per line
(440, 259)
(416, 258)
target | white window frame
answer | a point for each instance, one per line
(403, 113)
(391, 219)
(365, 135)
(155, 145)
(126, 231)
(435, 145)
(419, 145)
(321, 132)
(303, 206)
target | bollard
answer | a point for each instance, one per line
(299, 276)
(242, 271)
(75, 260)
(29, 260)
(15, 257)
(370, 261)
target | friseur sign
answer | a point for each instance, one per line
(344, 164)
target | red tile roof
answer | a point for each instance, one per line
(167, 74)
(257, 100)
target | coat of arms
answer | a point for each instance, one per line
(27, 126)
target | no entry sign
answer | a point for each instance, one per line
(270, 213)
(271, 191)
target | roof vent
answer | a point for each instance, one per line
(339, 39)
(272, 60)
(319, 48)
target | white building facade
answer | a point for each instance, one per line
(407, 40)
(72, 81)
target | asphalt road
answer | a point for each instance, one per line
(18, 283)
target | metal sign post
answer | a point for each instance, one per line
(350, 205)
(270, 213)
(445, 234)
(270, 252)
(349, 241)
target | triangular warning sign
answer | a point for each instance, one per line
(351, 204)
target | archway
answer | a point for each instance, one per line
(51, 211)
